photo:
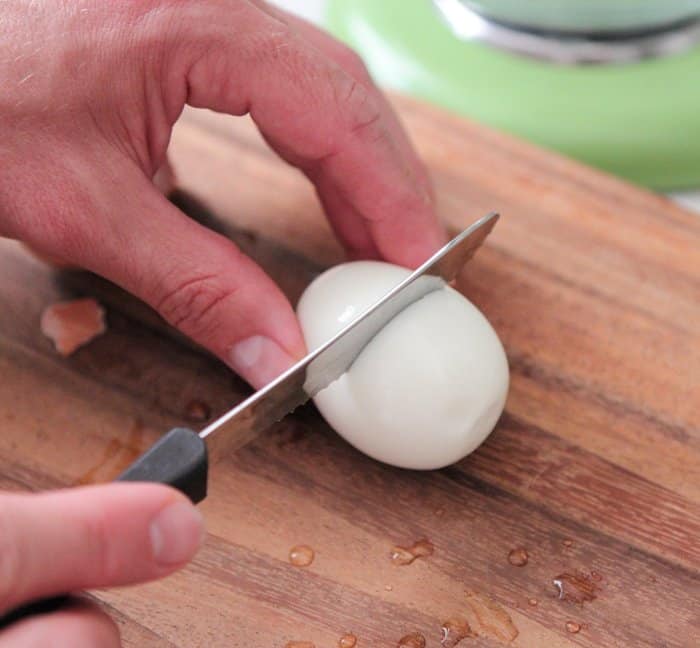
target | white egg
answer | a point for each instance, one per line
(429, 387)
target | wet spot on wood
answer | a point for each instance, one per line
(301, 555)
(492, 618)
(347, 641)
(575, 587)
(454, 631)
(573, 627)
(117, 455)
(197, 411)
(518, 557)
(412, 640)
(406, 555)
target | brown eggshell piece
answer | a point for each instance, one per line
(72, 324)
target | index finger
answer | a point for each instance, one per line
(317, 116)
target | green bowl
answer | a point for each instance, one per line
(638, 120)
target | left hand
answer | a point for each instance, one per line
(89, 93)
(98, 536)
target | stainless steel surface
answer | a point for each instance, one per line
(587, 16)
(327, 363)
(568, 48)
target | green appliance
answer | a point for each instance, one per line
(614, 83)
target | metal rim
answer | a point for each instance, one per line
(568, 49)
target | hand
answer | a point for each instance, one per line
(100, 536)
(89, 92)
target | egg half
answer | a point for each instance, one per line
(427, 389)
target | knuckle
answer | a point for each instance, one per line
(364, 116)
(350, 93)
(368, 127)
(352, 62)
(192, 305)
(361, 109)
(10, 556)
(277, 41)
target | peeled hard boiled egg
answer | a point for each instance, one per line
(427, 389)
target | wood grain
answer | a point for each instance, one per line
(594, 287)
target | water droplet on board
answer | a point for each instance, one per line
(567, 542)
(301, 555)
(388, 588)
(596, 576)
(117, 456)
(413, 640)
(573, 627)
(406, 555)
(575, 588)
(532, 602)
(197, 411)
(347, 641)
(453, 631)
(518, 557)
(401, 556)
(300, 644)
(440, 512)
(90, 475)
(492, 619)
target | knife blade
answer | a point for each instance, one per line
(326, 364)
(181, 457)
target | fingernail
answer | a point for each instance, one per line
(259, 360)
(176, 533)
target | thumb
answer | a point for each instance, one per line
(102, 536)
(198, 280)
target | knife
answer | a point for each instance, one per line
(181, 457)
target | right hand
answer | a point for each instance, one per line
(98, 536)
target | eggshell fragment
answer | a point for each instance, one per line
(428, 388)
(72, 324)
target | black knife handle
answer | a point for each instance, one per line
(178, 459)
(42, 606)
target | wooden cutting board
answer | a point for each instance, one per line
(594, 468)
